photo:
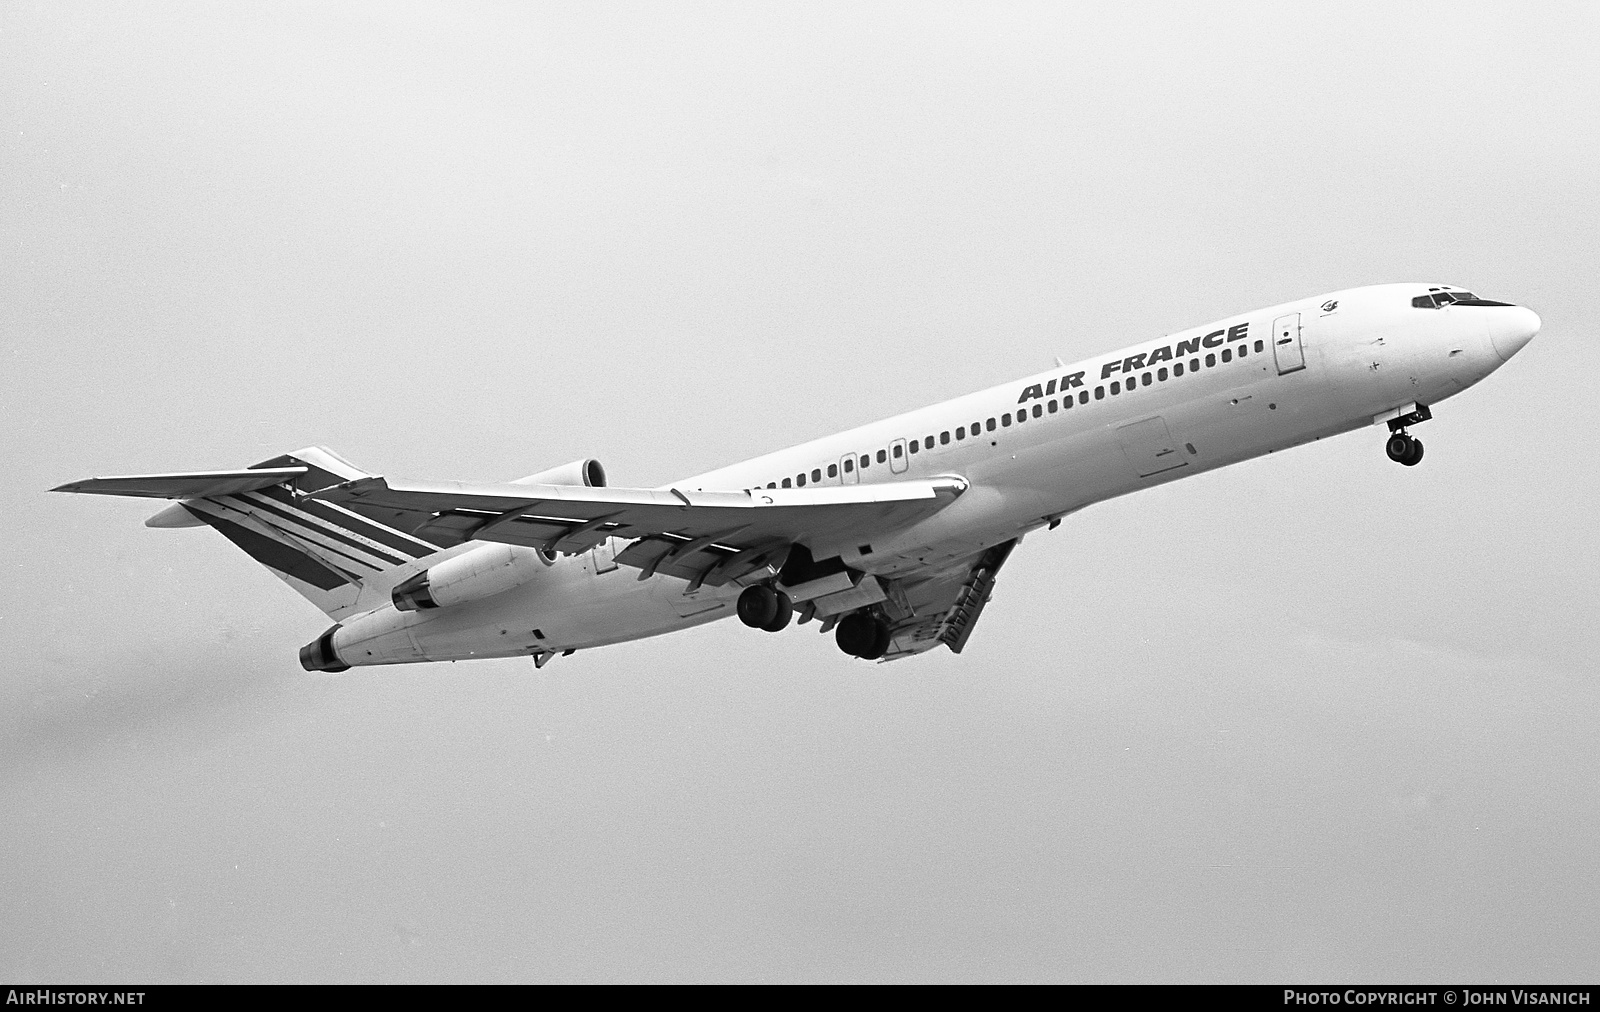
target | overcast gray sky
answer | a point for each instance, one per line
(1313, 717)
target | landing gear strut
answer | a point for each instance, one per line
(761, 607)
(1402, 447)
(862, 635)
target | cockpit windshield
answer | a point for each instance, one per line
(1438, 298)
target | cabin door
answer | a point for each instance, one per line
(848, 474)
(605, 556)
(898, 461)
(1286, 349)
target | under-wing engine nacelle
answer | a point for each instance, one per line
(580, 472)
(483, 572)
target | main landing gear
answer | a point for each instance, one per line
(861, 634)
(762, 607)
(1402, 447)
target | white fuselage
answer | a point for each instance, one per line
(1204, 398)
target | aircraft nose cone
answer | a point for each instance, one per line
(1511, 328)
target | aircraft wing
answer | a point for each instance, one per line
(703, 537)
(946, 605)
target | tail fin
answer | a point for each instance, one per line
(338, 558)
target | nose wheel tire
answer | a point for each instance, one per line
(861, 635)
(764, 608)
(1404, 449)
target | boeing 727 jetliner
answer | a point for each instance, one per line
(890, 534)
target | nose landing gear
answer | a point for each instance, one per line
(1404, 449)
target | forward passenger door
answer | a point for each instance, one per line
(1286, 349)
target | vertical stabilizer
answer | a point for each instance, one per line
(337, 558)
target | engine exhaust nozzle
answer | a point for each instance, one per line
(318, 655)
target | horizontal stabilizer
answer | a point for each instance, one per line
(185, 484)
(342, 560)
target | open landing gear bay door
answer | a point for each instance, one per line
(706, 538)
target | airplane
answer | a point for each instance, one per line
(890, 535)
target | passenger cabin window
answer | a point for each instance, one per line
(1005, 419)
(881, 455)
(816, 474)
(1227, 356)
(1039, 409)
(786, 483)
(927, 444)
(1161, 374)
(961, 432)
(1099, 393)
(944, 438)
(1083, 397)
(1116, 388)
(989, 425)
(866, 461)
(1260, 347)
(1211, 360)
(800, 480)
(1053, 405)
(913, 446)
(1177, 368)
(833, 470)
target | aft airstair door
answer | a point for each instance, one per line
(1286, 349)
